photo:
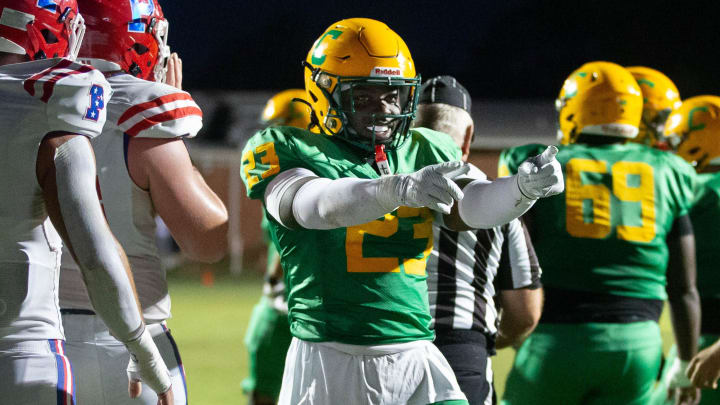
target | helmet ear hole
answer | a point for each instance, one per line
(139, 48)
(49, 37)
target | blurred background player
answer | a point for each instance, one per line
(357, 292)
(268, 335)
(660, 98)
(694, 132)
(465, 268)
(613, 248)
(50, 109)
(144, 170)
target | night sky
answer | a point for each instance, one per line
(499, 49)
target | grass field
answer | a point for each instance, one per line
(209, 321)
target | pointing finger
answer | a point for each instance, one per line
(547, 156)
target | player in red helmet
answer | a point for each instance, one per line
(41, 29)
(129, 36)
(145, 170)
(50, 108)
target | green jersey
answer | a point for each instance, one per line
(606, 233)
(362, 284)
(705, 216)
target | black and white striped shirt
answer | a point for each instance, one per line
(466, 268)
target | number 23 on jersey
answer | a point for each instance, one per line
(262, 155)
(589, 204)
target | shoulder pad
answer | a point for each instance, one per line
(266, 154)
(440, 143)
(75, 95)
(154, 110)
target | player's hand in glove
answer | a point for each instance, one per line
(146, 365)
(541, 176)
(430, 187)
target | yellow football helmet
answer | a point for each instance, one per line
(660, 98)
(353, 52)
(694, 131)
(599, 98)
(281, 110)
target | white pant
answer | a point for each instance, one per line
(100, 362)
(413, 373)
(35, 372)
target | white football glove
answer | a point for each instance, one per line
(430, 187)
(541, 176)
(146, 364)
(676, 377)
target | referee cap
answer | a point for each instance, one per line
(446, 90)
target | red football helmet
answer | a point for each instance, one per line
(41, 28)
(127, 35)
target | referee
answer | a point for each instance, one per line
(469, 271)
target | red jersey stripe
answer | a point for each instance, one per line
(49, 85)
(152, 104)
(29, 84)
(163, 117)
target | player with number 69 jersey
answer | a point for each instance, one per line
(144, 171)
(605, 245)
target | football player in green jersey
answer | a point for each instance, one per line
(613, 248)
(268, 335)
(349, 211)
(694, 131)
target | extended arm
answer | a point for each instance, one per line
(487, 204)
(66, 173)
(196, 217)
(298, 197)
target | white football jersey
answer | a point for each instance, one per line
(37, 98)
(138, 109)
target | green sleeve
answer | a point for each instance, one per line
(266, 154)
(686, 183)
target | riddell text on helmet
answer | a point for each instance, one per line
(379, 71)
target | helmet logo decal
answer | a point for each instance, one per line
(379, 71)
(49, 5)
(318, 57)
(646, 82)
(692, 112)
(140, 9)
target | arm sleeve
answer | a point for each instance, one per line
(298, 196)
(77, 102)
(488, 204)
(100, 259)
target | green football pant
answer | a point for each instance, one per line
(586, 364)
(707, 396)
(267, 340)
